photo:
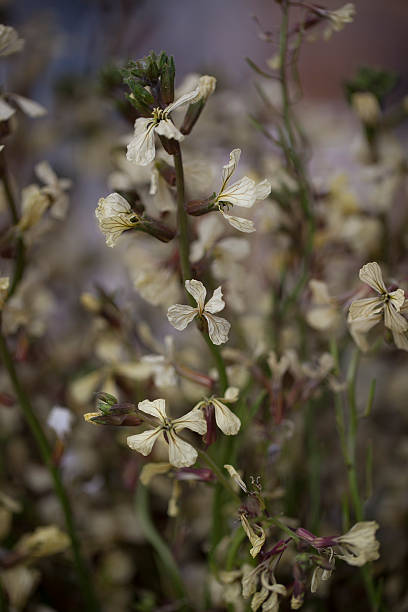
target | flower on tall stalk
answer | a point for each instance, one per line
(365, 313)
(181, 453)
(180, 315)
(141, 149)
(244, 192)
(115, 216)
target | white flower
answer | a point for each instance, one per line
(359, 546)
(115, 216)
(55, 188)
(244, 192)
(206, 85)
(365, 313)
(324, 313)
(226, 420)
(141, 149)
(60, 420)
(9, 40)
(180, 315)
(29, 107)
(181, 453)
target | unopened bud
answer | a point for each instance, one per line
(168, 72)
(157, 229)
(199, 207)
(105, 401)
(207, 87)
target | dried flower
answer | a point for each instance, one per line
(358, 546)
(256, 535)
(180, 315)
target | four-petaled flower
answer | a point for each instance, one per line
(141, 149)
(181, 453)
(244, 192)
(226, 420)
(367, 312)
(114, 216)
(180, 315)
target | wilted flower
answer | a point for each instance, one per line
(226, 420)
(358, 546)
(256, 535)
(115, 216)
(337, 19)
(141, 149)
(34, 204)
(365, 313)
(181, 453)
(236, 477)
(244, 192)
(180, 315)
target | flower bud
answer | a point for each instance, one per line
(207, 87)
(168, 72)
(155, 228)
(200, 207)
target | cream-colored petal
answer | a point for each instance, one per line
(167, 129)
(181, 454)
(393, 319)
(241, 193)
(397, 298)
(150, 470)
(134, 370)
(30, 107)
(157, 408)
(193, 420)
(323, 317)
(371, 274)
(229, 168)
(241, 224)
(180, 315)
(218, 328)
(216, 303)
(226, 420)
(143, 442)
(401, 340)
(233, 248)
(198, 291)
(111, 206)
(6, 111)
(263, 189)
(256, 535)
(187, 97)
(113, 227)
(236, 477)
(320, 292)
(141, 149)
(231, 394)
(366, 307)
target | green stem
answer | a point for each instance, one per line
(46, 454)
(182, 218)
(223, 480)
(159, 545)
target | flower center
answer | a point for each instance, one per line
(158, 115)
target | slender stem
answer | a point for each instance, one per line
(20, 253)
(219, 362)
(182, 218)
(223, 480)
(46, 454)
(160, 546)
